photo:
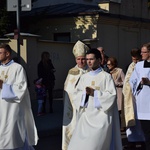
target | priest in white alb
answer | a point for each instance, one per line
(97, 127)
(17, 126)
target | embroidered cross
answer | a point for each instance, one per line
(93, 83)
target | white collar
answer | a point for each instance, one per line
(95, 72)
(7, 64)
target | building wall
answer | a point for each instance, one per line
(118, 37)
(23, 52)
(132, 8)
(119, 42)
(82, 27)
(86, 27)
(61, 56)
(41, 3)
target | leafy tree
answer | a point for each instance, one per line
(7, 23)
(4, 21)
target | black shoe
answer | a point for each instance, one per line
(130, 146)
(51, 111)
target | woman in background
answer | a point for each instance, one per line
(46, 72)
(118, 77)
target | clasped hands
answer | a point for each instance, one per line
(145, 81)
(89, 91)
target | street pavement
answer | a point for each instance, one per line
(49, 127)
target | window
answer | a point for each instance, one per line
(62, 37)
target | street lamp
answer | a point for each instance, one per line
(18, 6)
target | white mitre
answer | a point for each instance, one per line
(80, 49)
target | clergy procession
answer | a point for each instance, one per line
(100, 101)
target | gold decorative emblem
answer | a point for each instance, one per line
(74, 71)
(97, 88)
(6, 76)
(2, 73)
(93, 86)
(73, 80)
(93, 83)
(3, 76)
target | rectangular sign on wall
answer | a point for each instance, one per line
(12, 5)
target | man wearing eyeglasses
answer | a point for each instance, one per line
(140, 84)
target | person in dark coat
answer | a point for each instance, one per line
(46, 72)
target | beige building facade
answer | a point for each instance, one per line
(30, 53)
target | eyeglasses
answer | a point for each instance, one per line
(2, 52)
(108, 64)
(144, 52)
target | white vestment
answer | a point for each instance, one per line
(134, 131)
(141, 94)
(98, 121)
(17, 126)
(69, 117)
(129, 102)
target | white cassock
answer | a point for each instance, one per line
(17, 126)
(142, 95)
(98, 121)
(69, 117)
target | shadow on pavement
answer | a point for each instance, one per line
(49, 126)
